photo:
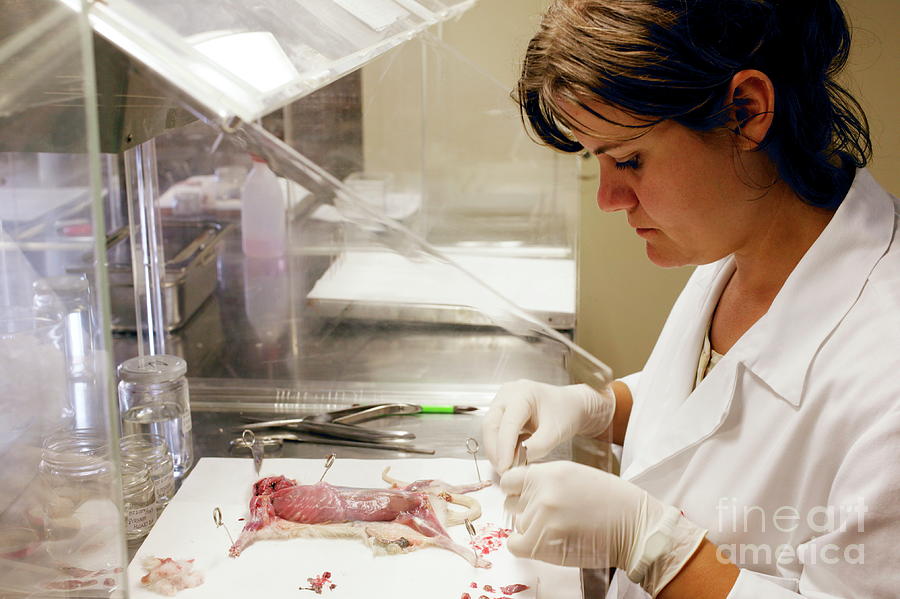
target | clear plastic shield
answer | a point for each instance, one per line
(62, 520)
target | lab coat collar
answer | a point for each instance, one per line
(822, 288)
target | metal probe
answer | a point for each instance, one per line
(217, 518)
(472, 447)
(329, 462)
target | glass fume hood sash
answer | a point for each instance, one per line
(246, 59)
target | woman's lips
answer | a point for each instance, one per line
(642, 232)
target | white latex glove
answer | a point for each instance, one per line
(552, 414)
(574, 515)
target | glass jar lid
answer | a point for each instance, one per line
(152, 369)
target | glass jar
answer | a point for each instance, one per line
(152, 451)
(153, 398)
(67, 299)
(75, 467)
(139, 499)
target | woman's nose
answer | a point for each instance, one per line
(614, 192)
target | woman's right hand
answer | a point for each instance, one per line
(550, 413)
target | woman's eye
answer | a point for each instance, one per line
(631, 163)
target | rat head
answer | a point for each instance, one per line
(271, 484)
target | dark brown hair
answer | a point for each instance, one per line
(674, 59)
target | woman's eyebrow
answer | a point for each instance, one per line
(604, 149)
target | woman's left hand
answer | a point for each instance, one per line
(574, 515)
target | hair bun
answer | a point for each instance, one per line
(817, 30)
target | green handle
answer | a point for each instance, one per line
(437, 410)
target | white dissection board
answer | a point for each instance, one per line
(185, 530)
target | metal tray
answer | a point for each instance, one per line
(192, 252)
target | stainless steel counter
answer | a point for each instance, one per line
(257, 326)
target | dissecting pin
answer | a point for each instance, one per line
(217, 518)
(471, 530)
(472, 447)
(329, 462)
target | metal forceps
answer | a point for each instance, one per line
(520, 458)
(276, 440)
(343, 424)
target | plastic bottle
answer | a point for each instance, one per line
(266, 298)
(263, 213)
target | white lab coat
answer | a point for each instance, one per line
(799, 418)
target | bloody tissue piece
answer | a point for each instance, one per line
(167, 576)
(466, 596)
(318, 583)
(512, 589)
(473, 585)
(490, 538)
(488, 588)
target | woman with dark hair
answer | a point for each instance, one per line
(761, 439)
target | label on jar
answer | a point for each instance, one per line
(186, 425)
(139, 519)
(164, 486)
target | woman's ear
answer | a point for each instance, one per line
(751, 97)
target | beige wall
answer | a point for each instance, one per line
(494, 34)
(874, 78)
(490, 35)
(623, 299)
(443, 120)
